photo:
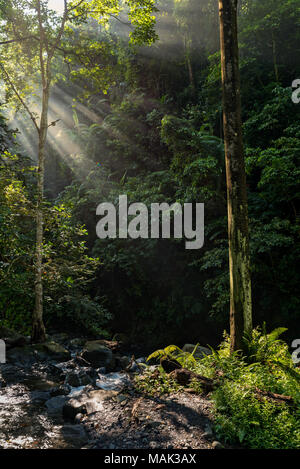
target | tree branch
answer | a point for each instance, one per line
(20, 97)
(75, 6)
(17, 40)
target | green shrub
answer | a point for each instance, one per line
(244, 413)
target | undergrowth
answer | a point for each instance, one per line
(243, 411)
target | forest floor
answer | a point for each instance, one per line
(38, 409)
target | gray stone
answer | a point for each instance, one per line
(40, 396)
(56, 351)
(113, 381)
(60, 337)
(23, 355)
(55, 405)
(38, 352)
(123, 338)
(87, 403)
(141, 360)
(123, 362)
(76, 343)
(62, 390)
(78, 418)
(208, 429)
(74, 435)
(78, 378)
(13, 338)
(98, 355)
(74, 406)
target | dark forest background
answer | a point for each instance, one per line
(147, 122)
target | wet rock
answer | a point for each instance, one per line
(40, 396)
(200, 351)
(39, 383)
(78, 378)
(60, 337)
(113, 345)
(141, 360)
(113, 381)
(62, 390)
(77, 343)
(73, 436)
(134, 368)
(87, 403)
(98, 355)
(12, 338)
(74, 406)
(121, 398)
(38, 352)
(25, 356)
(78, 418)
(55, 405)
(122, 338)
(56, 351)
(123, 362)
(209, 430)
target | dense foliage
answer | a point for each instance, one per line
(147, 122)
(246, 412)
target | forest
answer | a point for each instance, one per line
(153, 102)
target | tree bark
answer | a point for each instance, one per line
(46, 55)
(38, 328)
(239, 259)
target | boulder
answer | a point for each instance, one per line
(123, 362)
(60, 337)
(74, 406)
(87, 403)
(113, 382)
(78, 378)
(38, 352)
(25, 356)
(55, 405)
(12, 338)
(77, 343)
(122, 338)
(113, 345)
(56, 351)
(98, 355)
(62, 390)
(71, 435)
(200, 351)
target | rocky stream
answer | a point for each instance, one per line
(73, 393)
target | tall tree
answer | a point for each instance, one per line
(34, 31)
(238, 236)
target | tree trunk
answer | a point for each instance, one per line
(187, 47)
(239, 260)
(38, 328)
(276, 73)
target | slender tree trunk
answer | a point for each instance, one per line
(239, 260)
(38, 328)
(187, 47)
(276, 73)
